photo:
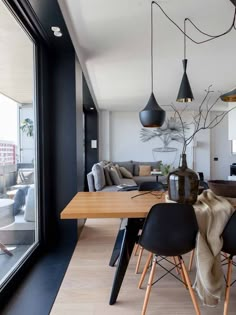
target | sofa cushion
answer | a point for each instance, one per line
(107, 176)
(99, 177)
(114, 176)
(109, 188)
(127, 164)
(154, 165)
(19, 199)
(125, 173)
(118, 170)
(128, 181)
(144, 170)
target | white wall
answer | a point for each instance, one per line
(119, 138)
(221, 148)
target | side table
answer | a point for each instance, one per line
(156, 173)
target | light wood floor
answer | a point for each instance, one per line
(86, 287)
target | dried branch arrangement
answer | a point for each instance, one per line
(201, 120)
(171, 130)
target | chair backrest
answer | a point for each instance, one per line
(201, 176)
(203, 184)
(151, 186)
(229, 236)
(170, 229)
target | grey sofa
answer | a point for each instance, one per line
(133, 168)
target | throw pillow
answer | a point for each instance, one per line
(99, 177)
(19, 200)
(125, 173)
(114, 176)
(107, 175)
(30, 206)
(144, 170)
(118, 170)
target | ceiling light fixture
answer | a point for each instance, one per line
(185, 94)
(58, 34)
(229, 96)
(55, 29)
(152, 115)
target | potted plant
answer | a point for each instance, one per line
(27, 126)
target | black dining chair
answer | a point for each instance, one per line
(146, 186)
(229, 247)
(170, 229)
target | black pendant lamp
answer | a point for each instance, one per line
(229, 96)
(185, 94)
(152, 115)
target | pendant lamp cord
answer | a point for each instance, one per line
(185, 38)
(197, 28)
(152, 46)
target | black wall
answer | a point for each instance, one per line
(91, 129)
(62, 147)
(56, 124)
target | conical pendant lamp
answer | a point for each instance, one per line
(152, 115)
(229, 96)
(185, 94)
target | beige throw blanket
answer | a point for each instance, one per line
(213, 213)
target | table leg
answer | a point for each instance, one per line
(129, 238)
(116, 250)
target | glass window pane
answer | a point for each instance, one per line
(18, 184)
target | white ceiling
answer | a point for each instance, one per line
(112, 41)
(16, 59)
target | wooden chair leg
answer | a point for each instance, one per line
(195, 304)
(139, 259)
(177, 268)
(150, 256)
(191, 260)
(182, 273)
(149, 286)
(136, 249)
(228, 282)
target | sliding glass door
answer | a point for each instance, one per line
(18, 169)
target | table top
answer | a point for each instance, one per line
(111, 204)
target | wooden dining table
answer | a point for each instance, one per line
(130, 205)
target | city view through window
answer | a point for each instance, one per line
(18, 182)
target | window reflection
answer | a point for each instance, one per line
(18, 206)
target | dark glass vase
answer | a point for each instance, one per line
(183, 184)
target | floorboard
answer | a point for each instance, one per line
(86, 286)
